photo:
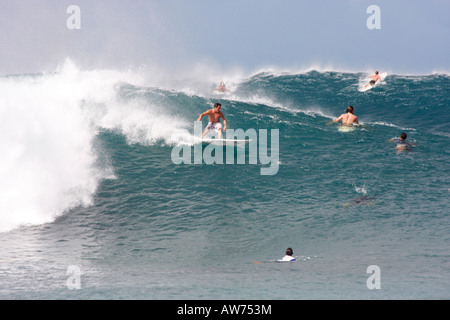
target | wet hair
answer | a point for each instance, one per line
(403, 136)
(350, 109)
(289, 252)
(217, 105)
(376, 72)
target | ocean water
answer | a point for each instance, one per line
(92, 205)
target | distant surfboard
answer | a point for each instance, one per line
(226, 141)
(368, 86)
(221, 92)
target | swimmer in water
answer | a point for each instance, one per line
(288, 257)
(402, 144)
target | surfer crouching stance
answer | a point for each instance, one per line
(374, 80)
(214, 116)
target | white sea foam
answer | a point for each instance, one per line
(48, 125)
(387, 124)
(361, 190)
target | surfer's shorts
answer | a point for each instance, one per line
(214, 126)
(372, 82)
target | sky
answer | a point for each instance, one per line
(178, 36)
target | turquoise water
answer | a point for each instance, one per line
(88, 181)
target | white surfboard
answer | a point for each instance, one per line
(349, 127)
(345, 128)
(226, 141)
(368, 86)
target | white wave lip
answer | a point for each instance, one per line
(48, 123)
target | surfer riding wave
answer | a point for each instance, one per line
(214, 116)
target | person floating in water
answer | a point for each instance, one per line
(402, 144)
(288, 257)
(348, 118)
(221, 87)
(374, 80)
(214, 116)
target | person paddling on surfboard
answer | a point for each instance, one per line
(221, 87)
(348, 118)
(288, 257)
(214, 116)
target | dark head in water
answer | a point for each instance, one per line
(402, 144)
(363, 200)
